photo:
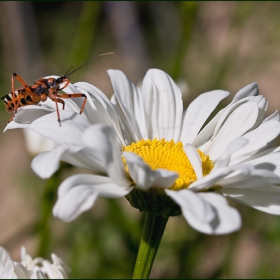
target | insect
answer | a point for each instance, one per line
(42, 89)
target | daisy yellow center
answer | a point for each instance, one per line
(171, 156)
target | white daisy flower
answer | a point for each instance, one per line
(28, 268)
(163, 160)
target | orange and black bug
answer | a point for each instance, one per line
(41, 90)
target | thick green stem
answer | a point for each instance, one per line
(46, 214)
(153, 231)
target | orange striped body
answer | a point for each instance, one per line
(22, 97)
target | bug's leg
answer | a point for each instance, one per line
(75, 95)
(20, 79)
(57, 110)
(67, 83)
(13, 93)
(58, 100)
(13, 88)
(11, 118)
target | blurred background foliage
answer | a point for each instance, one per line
(203, 46)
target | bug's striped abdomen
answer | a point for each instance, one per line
(20, 98)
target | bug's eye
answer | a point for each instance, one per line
(59, 80)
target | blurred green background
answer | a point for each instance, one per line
(203, 46)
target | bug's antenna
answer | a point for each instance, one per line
(66, 75)
(86, 63)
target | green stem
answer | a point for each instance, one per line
(153, 231)
(46, 214)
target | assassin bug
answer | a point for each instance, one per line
(41, 90)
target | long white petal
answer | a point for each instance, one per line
(273, 116)
(238, 123)
(214, 177)
(78, 193)
(195, 160)
(192, 203)
(207, 212)
(144, 176)
(126, 133)
(103, 141)
(26, 115)
(249, 90)
(163, 105)
(258, 140)
(253, 178)
(36, 144)
(45, 164)
(234, 146)
(265, 199)
(214, 126)
(197, 113)
(99, 102)
(129, 101)
(271, 158)
(72, 126)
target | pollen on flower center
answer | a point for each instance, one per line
(171, 156)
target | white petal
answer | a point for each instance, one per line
(58, 262)
(129, 101)
(207, 212)
(266, 199)
(267, 157)
(258, 139)
(36, 144)
(14, 125)
(21, 271)
(253, 178)
(227, 218)
(207, 132)
(193, 204)
(126, 133)
(38, 274)
(214, 177)
(103, 141)
(52, 271)
(195, 160)
(99, 102)
(45, 164)
(6, 265)
(234, 146)
(238, 123)
(26, 115)
(78, 193)
(273, 116)
(262, 105)
(214, 126)
(197, 113)
(163, 105)
(144, 176)
(72, 126)
(249, 90)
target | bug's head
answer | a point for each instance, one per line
(62, 82)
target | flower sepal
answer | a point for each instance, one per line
(153, 201)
